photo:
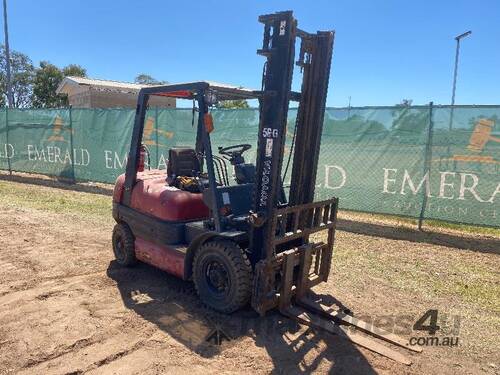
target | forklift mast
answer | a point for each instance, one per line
(315, 60)
(279, 49)
(280, 33)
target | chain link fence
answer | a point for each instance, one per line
(424, 162)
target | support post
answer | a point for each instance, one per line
(71, 145)
(207, 148)
(135, 145)
(7, 138)
(427, 164)
(157, 150)
(8, 78)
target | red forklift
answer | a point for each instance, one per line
(226, 223)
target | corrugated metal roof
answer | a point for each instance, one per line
(100, 84)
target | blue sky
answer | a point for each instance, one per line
(384, 50)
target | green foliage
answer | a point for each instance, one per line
(358, 126)
(47, 79)
(405, 103)
(22, 72)
(146, 79)
(406, 119)
(34, 87)
(402, 108)
(74, 70)
(232, 104)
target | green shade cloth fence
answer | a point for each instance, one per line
(431, 162)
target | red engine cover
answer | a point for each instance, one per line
(151, 195)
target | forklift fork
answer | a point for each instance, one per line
(300, 307)
(295, 303)
(285, 281)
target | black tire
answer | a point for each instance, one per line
(123, 245)
(222, 275)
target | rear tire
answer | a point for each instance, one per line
(222, 275)
(123, 245)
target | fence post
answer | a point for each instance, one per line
(7, 138)
(71, 146)
(157, 126)
(427, 164)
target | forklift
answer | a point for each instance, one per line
(227, 224)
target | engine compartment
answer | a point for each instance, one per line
(152, 195)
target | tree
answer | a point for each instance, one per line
(233, 104)
(405, 103)
(146, 79)
(74, 70)
(408, 121)
(22, 72)
(356, 127)
(47, 79)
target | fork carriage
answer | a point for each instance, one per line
(294, 271)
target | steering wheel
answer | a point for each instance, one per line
(235, 150)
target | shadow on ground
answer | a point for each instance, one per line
(464, 242)
(173, 306)
(58, 183)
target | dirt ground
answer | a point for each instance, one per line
(67, 308)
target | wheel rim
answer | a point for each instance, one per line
(217, 277)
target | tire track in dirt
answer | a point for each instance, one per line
(86, 355)
(65, 308)
(74, 295)
(78, 345)
(6, 266)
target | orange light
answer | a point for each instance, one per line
(209, 122)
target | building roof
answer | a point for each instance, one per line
(100, 84)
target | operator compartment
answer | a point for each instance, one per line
(160, 206)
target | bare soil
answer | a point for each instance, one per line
(67, 308)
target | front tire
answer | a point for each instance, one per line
(222, 275)
(124, 245)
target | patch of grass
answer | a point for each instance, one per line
(433, 224)
(471, 283)
(462, 227)
(477, 291)
(16, 195)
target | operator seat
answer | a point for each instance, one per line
(184, 170)
(182, 161)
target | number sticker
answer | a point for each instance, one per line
(282, 27)
(270, 133)
(269, 147)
